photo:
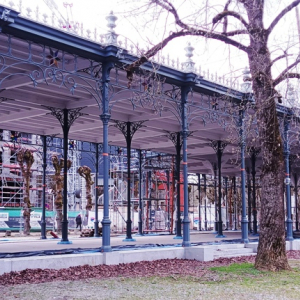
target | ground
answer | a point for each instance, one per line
(224, 278)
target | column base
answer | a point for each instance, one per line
(220, 236)
(186, 244)
(64, 242)
(106, 249)
(129, 240)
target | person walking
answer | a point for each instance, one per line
(78, 222)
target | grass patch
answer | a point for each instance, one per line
(238, 269)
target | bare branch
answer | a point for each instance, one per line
(278, 58)
(170, 8)
(281, 14)
(151, 52)
(225, 14)
(225, 24)
(284, 74)
(235, 32)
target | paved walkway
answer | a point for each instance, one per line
(34, 243)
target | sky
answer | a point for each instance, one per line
(145, 30)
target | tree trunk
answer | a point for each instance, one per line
(59, 202)
(85, 172)
(58, 165)
(25, 159)
(26, 206)
(271, 253)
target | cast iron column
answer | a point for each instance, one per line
(253, 152)
(178, 211)
(243, 181)
(66, 117)
(149, 197)
(219, 147)
(235, 204)
(105, 117)
(215, 196)
(128, 129)
(199, 197)
(44, 165)
(249, 200)
(292, 159)
(140, 222)
(96, 223)
(296, 200)
(169, 198)
(205, 212)
(176, 138)
(226, 203)
(287, 181)
(186, 222)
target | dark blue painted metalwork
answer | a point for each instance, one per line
(243, 181)
(235, 202)
(44, 165)
(215, 168)
(66, 117)
(96, 223)
(128, 129)
(296, 200)
(176, 138)
(253, 153)
(169, 199)
(199, 206)
(287, 180)
(140, 222)
(219, 147)
(249, 201)
(226, 203)
(205, 203)
(186, 222)
(292, 159)
(178, 196)
(105, 117)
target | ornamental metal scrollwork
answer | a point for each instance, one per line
(5, 15)
(73, 114)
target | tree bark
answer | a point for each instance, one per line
(25, 159)
(271, 253)
(58, 165)
(85, 172)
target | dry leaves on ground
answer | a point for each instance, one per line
(163, 267)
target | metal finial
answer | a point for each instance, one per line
(111, 36)
(291, 94)
(111, 19)
(246, 86)
(189, 65)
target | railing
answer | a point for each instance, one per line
(47, 14)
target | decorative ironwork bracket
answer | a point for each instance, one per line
(129, 128)
(173, 136)
(253, 151)
(73, 114)
(218, 146)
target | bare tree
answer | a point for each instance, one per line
(252, 37)
(58, 165)
(85, 172)
(25, 160)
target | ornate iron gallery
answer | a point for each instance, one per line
(168, 123)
